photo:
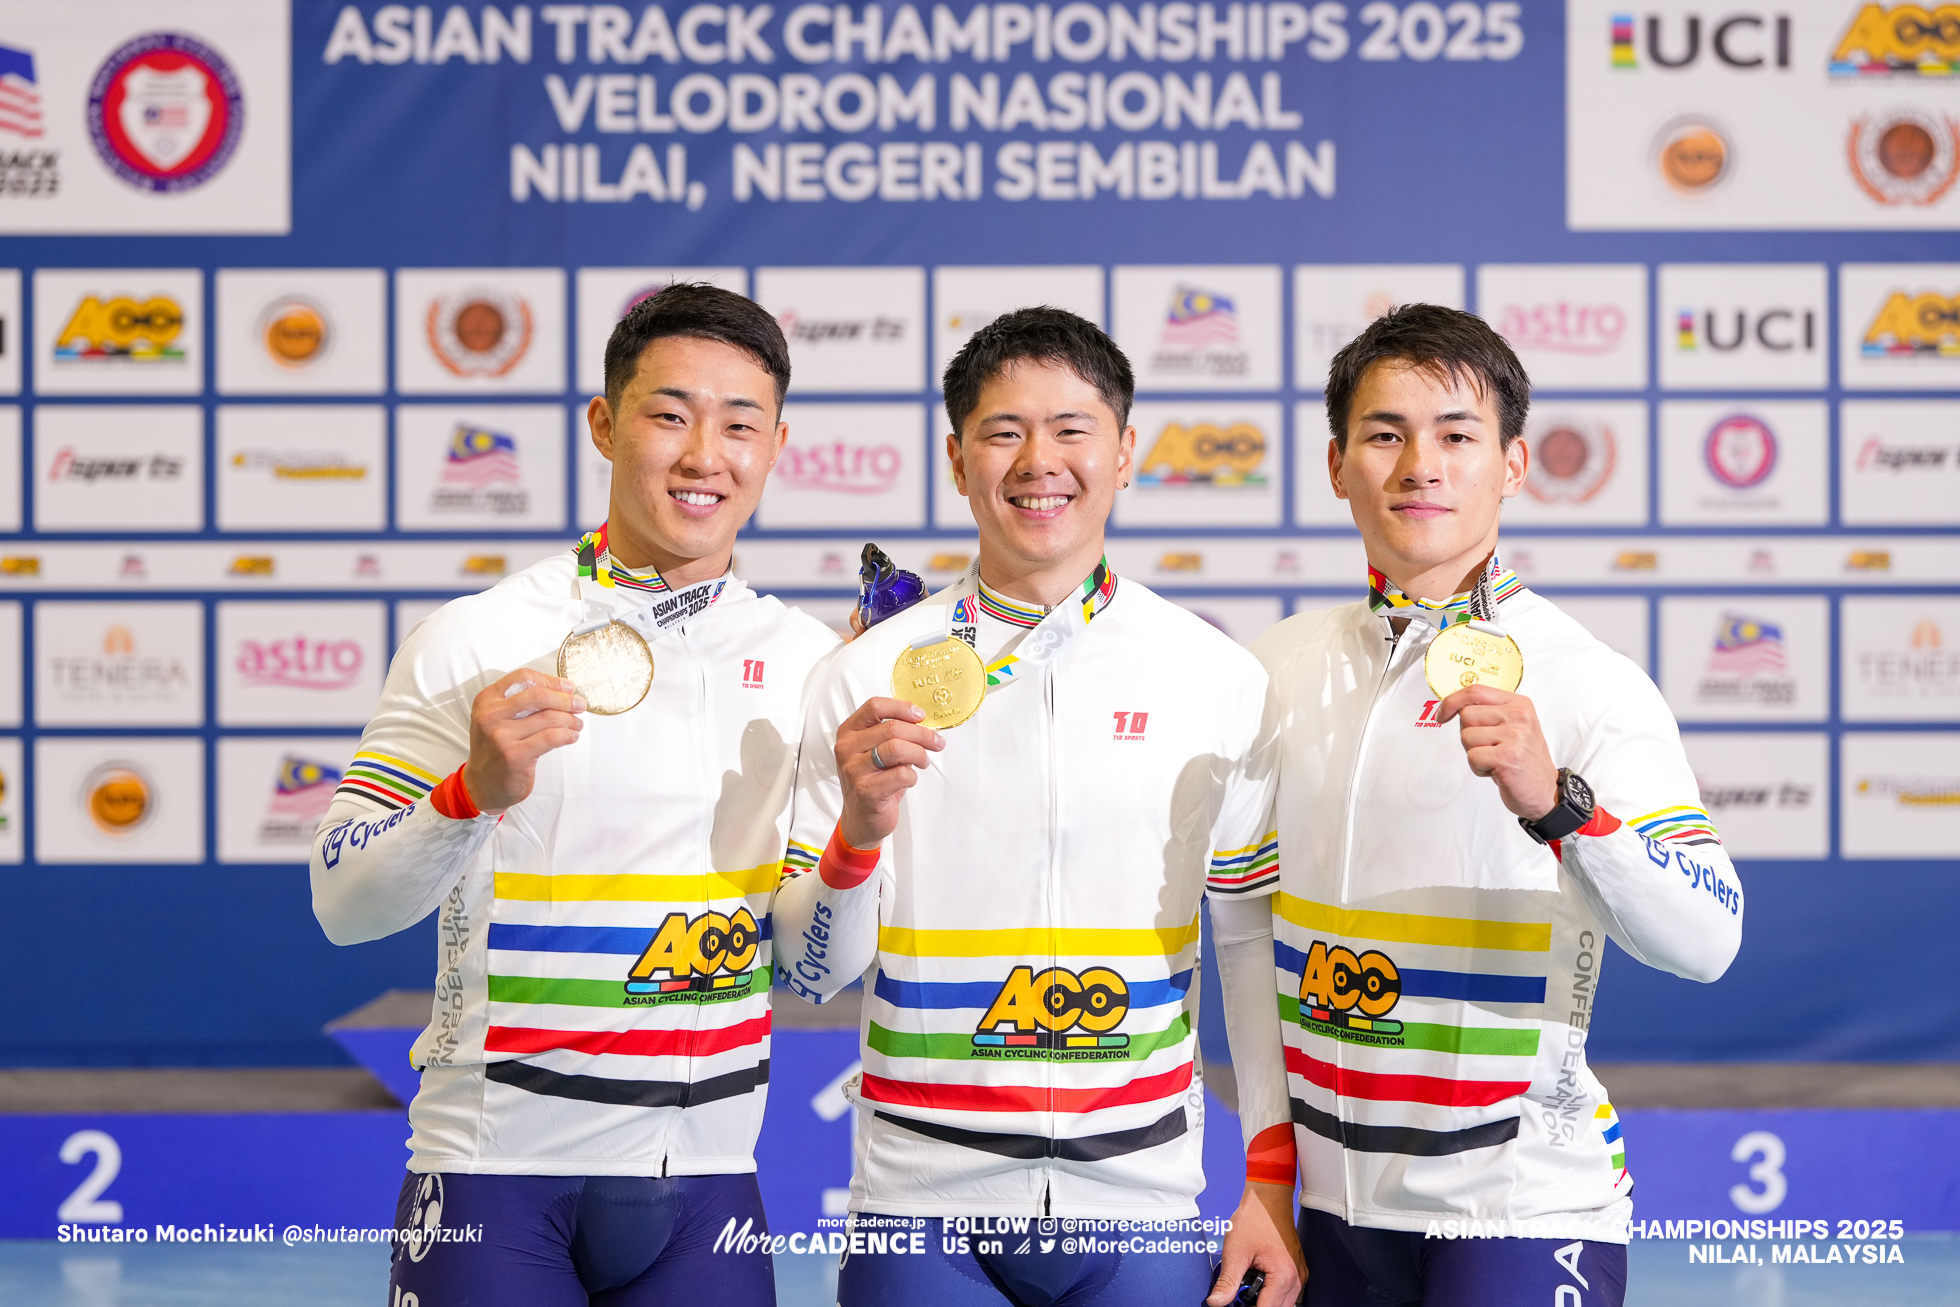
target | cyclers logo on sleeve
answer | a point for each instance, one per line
(1057, 1015)
(1349, 997)
(699, 959)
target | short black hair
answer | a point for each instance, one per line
(706, 312)
(1445, 342)
(1044, 334)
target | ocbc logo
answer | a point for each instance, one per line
(687, 946)
(1336, 978)
(1059, 999)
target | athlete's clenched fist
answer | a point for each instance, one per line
(1503, 741)
(880, 749)
(513, 723)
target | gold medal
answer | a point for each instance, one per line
(945, 678)
(611, 665)
(1471, 653)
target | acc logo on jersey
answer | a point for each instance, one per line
(143, 331)
(1347, 995)
(710, 954)
(165, 112)
(1057, 1009)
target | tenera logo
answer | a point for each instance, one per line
(300, 663)
(1927, 323)
(1130, 725)
(1563, 327)
(841, 468)
(1735, 40)
(1909, 40)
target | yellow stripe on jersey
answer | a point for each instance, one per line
(402, 763)
(637, 889)
(1409, 928)
(1164, 941)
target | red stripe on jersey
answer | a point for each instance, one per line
(1025, 1098)
(628, 1043)
(1349, 1083)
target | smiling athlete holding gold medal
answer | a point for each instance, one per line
(1011, 799)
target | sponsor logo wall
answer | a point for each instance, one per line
(272, 793)
(10, 508)
(1768, 794)
(1899, 462)
(849, 464)
(1899, 794)
(967, 299)
(1731, 463)
(317, 331)
(112, 331)
(121, 801)
(1746, 658)
(1588, 465)
(472, 330)
(1209, 464)
(11, 341)
(120, 467)
(850, 330)
(292, 467)
(1199, 328)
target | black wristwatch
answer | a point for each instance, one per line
(1573, 810)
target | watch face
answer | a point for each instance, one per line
(1577, 792)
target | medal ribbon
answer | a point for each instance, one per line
(598, 573)
(1494, 584)
(595, 562)
(1047, 631)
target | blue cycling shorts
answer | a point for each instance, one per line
(910, 1261)
(570, 1241)
(1356, 1266)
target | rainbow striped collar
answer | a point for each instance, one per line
(1096, 591)
(595, 561)
(1384, 596)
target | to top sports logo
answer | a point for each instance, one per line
(165, 112)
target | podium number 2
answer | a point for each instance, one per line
(87, 1203)
(1767, 1172)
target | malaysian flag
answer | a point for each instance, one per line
(1199, 318)
(303, 789)
(1746, 647)
(20, 97)
(480, 458)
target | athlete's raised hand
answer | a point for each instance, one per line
(513, 723)
(1502, 737)
(1262, 1238)
(880, 749)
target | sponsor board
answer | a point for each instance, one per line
(111, 331)
(1619, 624)
(850, 330)
(605, 295)
(13, 662)
(123, 467)
(1899, 326)
(1767, 793)
(1745, 658)
(273, 792)
(300, 664)
(10, 506)
(592, 471)
(1742, 326)
(950, 511)
(848, 465)
(13, 803)
(1244, 619)
(1899, 658)
(1588, 465)
(1200, 327)
(1332, 304)
(118, 664)
(1899, 794)
(967, 299)
(479, 330)
(302, 467)
(121, 801)
(145, 119)
(1205, 464)
(1574, 326)
(11, 340)
(410, 613)
(1314, 503)
(1899, 462)
(1824, 116)
(461, 467)
(302, 331)
(1730, 463)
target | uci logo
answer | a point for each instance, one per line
(1056, 1009)
(1337, 984)
(1736, 41)
(687, 953)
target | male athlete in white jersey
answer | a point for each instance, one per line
(594, 1075)
(1453, 860)
(1028, 884)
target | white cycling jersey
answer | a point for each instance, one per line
(1436, 965)
(602, 993)
(1028, 1037)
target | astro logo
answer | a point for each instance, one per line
(1347, 996)
(710, 955)
(1928, 323)
(1204, 453)
(143, 331)
(1056, 1011)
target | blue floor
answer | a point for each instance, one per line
(42, 1273)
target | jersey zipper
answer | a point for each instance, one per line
(1053, 895)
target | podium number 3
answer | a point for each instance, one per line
(87, 1203)
(1768, 1172)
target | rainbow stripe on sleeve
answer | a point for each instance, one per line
(1241, 871)
(389, 781)
(1681, 824)
(799, 858)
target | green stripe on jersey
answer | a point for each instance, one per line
(958, 1045)
(1483, 1041)
(609, 993)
